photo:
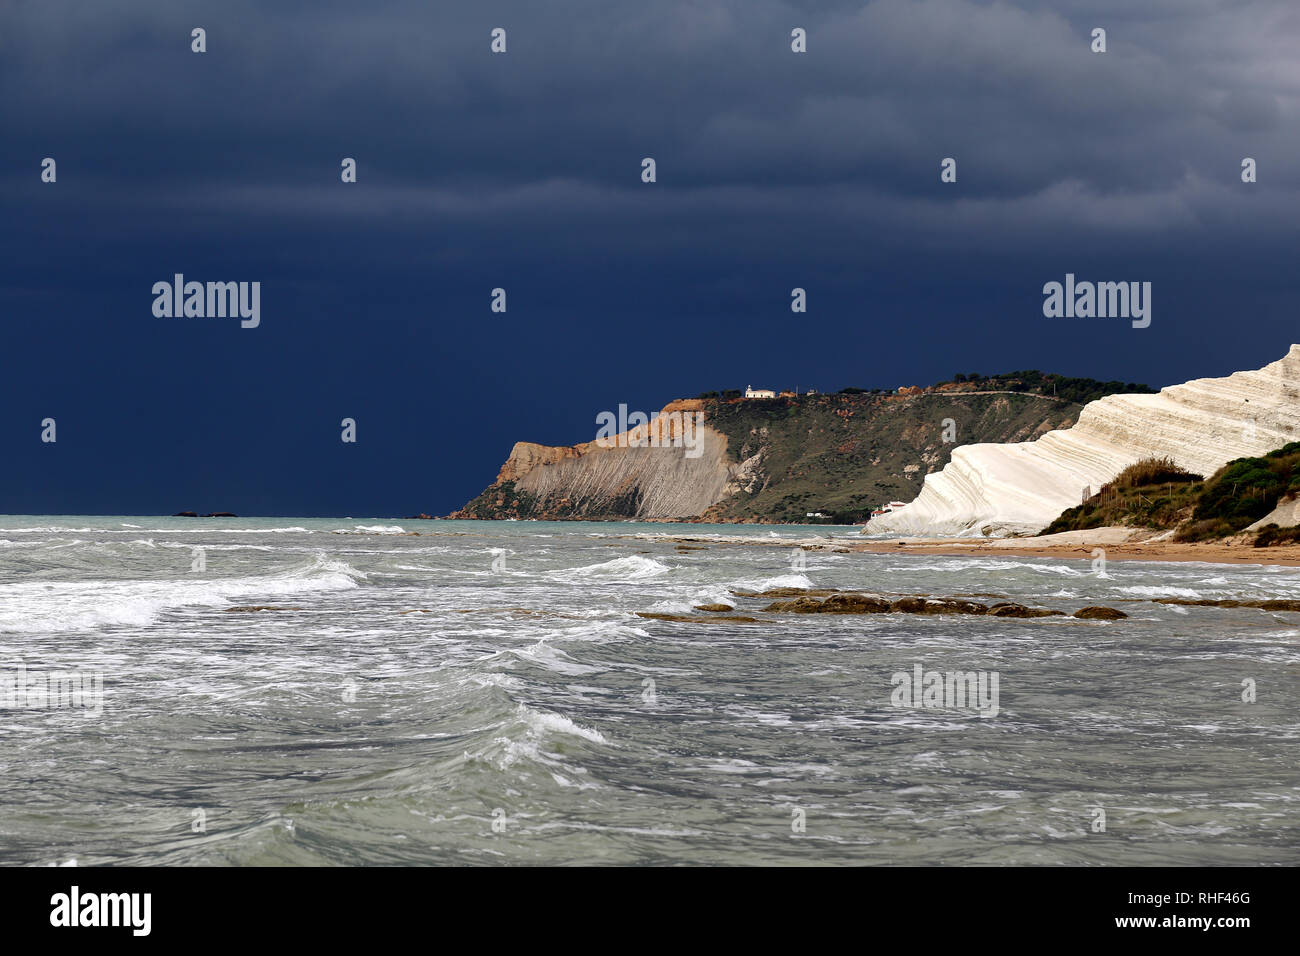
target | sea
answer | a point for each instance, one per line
(423, 692)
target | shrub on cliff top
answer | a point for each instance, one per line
(1151, 471)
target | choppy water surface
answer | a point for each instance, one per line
(428, 685)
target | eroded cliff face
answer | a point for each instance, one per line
(1203, 424)
(763, 461)
(674, 467)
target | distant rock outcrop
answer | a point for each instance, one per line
(650, 471)
(991, 489)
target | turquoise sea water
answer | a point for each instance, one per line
(485, 693)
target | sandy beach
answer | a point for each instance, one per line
(1119, 544)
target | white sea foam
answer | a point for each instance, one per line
(780, 581)
(196, 527)
(546, 722)
(47, 529)
(631, 568)
(36, 607)
(1143, 590)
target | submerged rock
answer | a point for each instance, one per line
(788, 592)
(1266, 605)
(695, 619)
(1011, 609)
(853, 603)
(1095, 613)
(917, 605)
(714, 607)
(260, 607)
(834, 604)
(808, 601)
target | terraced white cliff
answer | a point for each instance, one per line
(1020, 488)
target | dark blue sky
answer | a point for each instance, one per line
(522, 171)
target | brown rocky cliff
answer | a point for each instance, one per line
(647, 472)
(526, 456)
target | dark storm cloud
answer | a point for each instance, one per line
(775, 170)
(712, 89)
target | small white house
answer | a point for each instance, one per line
(751, 392)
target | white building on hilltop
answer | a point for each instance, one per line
(751, 392)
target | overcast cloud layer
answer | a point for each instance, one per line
(522, 170)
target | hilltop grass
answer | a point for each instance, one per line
(1069, 389)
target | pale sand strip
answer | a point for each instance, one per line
(1120, 544)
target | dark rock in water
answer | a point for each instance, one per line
(261, 607)
(854, 604)
(1280, 605)
(689, 619)
(714, 607)
(419, 517)
(1095, 613)
(834, 604)
(788, 592)
(803, 605)
(221, 514)
(917, 605)
(186, 514)
(909, 605)
(851, 602)
(1011, 609)
(1265, 605)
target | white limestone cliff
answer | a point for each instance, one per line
(1020, 488)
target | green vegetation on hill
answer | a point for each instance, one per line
(1242, 492)
(1079, 391)
(1155, 493)
(502, 500)
(846, 454)
(1271, 534)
